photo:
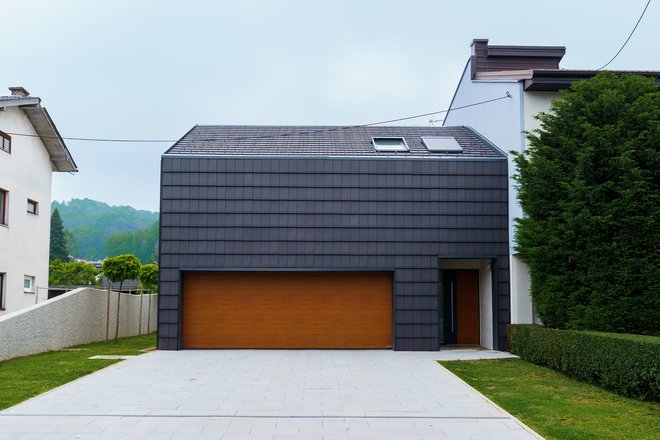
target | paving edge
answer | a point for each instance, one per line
(515, 419)
(114, 365)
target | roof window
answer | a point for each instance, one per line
(441, 144)
(389, 144)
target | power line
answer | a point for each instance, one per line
(352, 127)
(629, 36)
(299, 133)
(95, 139)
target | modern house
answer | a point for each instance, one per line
(333, 237)
(31, 149)
(531, 76)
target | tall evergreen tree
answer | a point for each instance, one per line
(590, 188)
(58, 249)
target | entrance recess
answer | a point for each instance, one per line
(461, 306)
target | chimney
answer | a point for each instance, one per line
(19, 91)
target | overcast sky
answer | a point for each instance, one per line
(153, 69)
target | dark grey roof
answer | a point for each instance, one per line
(250, 140)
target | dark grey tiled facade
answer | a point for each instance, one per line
(325, 213)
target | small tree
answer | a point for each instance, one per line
(121, 268)
(118, 269)
(149, 277)
(72, 274)
(58, 249)
(149, 280)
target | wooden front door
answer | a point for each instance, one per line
(467, 306)
(287, 309)
(461, 306)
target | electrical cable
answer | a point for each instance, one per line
(629, 36)
(299, 133)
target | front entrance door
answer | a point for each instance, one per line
(461, 306)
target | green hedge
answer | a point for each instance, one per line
(626, 364)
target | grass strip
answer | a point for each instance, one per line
(558, 407)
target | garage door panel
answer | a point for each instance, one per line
(287, 310)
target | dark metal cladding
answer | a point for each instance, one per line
(398, 214)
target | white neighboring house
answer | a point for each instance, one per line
(26, 167)
(532, 77)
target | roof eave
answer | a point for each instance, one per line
(45, 127)
(555, 80)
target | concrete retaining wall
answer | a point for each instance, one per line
(77, 317)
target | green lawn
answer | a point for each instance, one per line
(556, 406)
(28, 376)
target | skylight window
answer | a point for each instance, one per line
(441, 144)
(389, 144)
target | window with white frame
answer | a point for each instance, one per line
(3, 206)
(389, 144)
(5, 142)
(28, 284)
(32, 206)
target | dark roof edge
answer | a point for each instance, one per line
(180, 139)
(527, 51)
(486, 142)
(551, 80)
(343, 157)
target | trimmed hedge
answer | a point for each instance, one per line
(625, 364)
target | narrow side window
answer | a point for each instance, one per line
(5, 142)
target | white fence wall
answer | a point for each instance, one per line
(77, 317)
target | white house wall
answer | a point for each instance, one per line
(500, 122)
(485, 304)
(535, 103)
(26, 173)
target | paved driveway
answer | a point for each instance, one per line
(267, 394)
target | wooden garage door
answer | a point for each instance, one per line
(287, 310)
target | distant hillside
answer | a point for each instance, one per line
(91, 223)
(143, 244)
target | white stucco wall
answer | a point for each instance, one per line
(535, 103)
(77, 317)
(26, 173)
(485, 304)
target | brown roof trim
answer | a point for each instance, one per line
(487, 58)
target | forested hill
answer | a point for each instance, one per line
(91, 223)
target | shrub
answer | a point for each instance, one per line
(72, 274)
(625, 364)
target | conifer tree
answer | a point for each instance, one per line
(58, 248)
(589, 185)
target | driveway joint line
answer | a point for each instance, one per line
(255, 416)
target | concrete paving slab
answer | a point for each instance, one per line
(268, 394)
